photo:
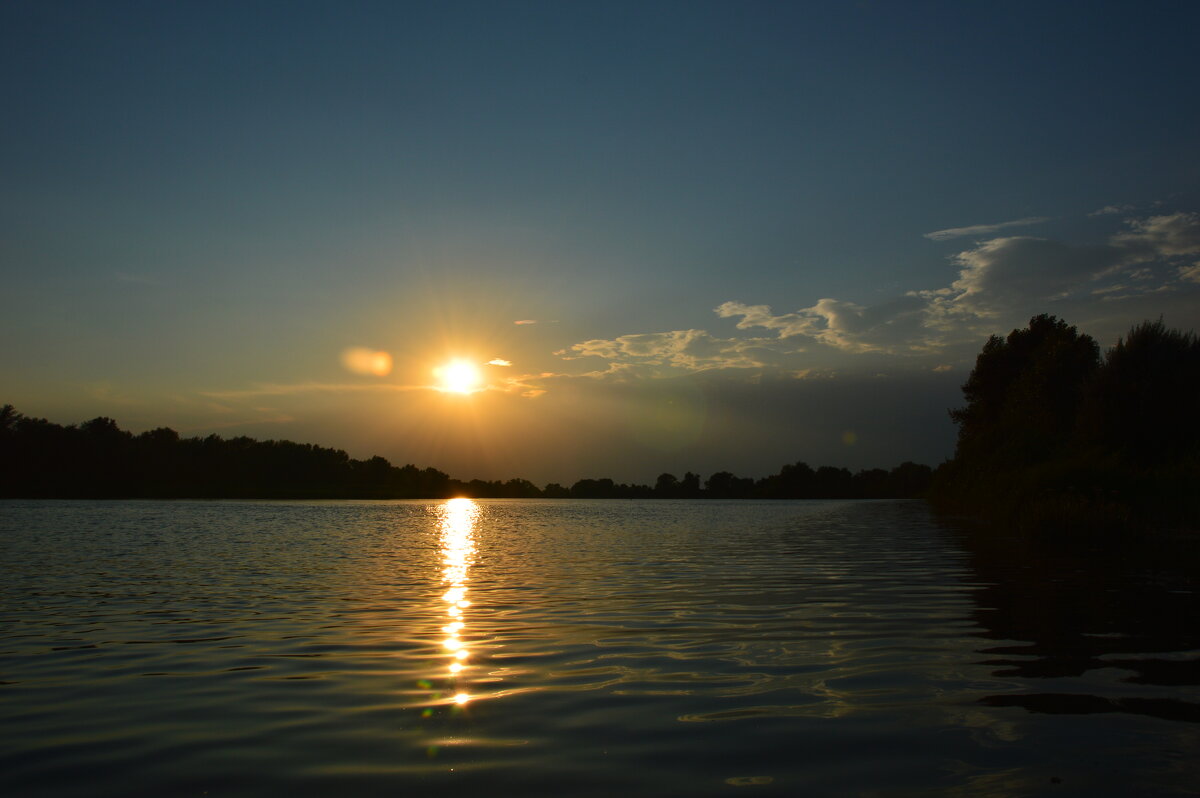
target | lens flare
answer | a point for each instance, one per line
(360, 360)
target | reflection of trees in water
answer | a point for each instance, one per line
(1076, 610)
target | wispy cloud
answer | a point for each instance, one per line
(278, 389)
(1004, 273)
(983, 229)
(516, 384)
(839, 324)
(1109, 210)
(1162, 236)
(1000, 282)
(688, 350)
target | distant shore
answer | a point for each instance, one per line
(97, 459)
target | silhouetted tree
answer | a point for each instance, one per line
(909, 480)
(593, 489)
(98, 459)
(871, 484)
(1053, 438)
(521, 489)
(794, 481)
(689, 486)
(833, 483)
(724, 485)
(1145, 404)
(1024, 393)
(8, 420)
(666, 486)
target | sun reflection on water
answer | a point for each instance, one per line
(458, 518)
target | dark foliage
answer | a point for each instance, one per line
(1054, 437)
(1145, 400)
(1024, 393)
(97, 459)
(799, 481)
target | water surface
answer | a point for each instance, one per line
(582, 648)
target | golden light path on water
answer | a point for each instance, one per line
(458, 518)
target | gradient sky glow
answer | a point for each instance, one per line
(671, 235)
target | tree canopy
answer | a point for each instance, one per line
(97, 459)
(1053, 434)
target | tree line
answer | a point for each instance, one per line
(97, 459)
(1056, 436)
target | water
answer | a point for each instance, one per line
(581, 648)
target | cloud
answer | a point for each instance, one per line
(689, 350)
(1006, 272)
(842, 325)
(1162, 236)
(1109, 210)
(525, 321)
(1004, 275)
(787, 324)
(1000, 283)
(499, 362)
(983, 229)
(277, 389)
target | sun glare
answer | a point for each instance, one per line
(459, 376)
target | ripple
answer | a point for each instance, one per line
(748, 781)
(640, 648)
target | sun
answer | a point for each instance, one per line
(459, 376)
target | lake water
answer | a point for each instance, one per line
(582, 648)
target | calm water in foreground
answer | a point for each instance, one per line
(581, 648)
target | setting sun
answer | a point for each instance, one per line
(459, 376)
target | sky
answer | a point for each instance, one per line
(670, 236)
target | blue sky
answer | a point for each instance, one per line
(745, 233)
